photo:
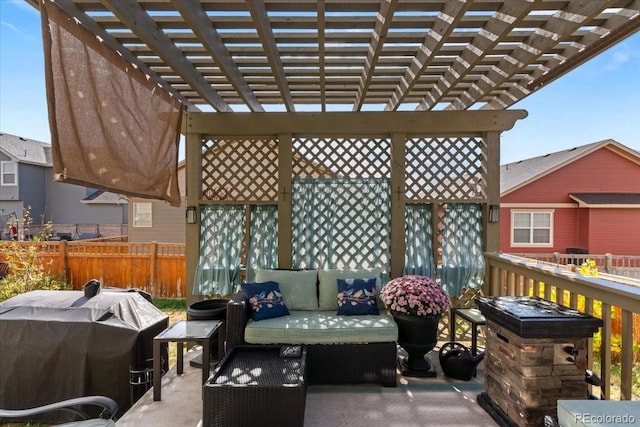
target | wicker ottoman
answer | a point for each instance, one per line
(257, 385)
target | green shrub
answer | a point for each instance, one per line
(26, 269)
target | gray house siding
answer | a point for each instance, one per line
(32, 192)
(64, 205)
(60, 203)
(8, 192)
(168, 223)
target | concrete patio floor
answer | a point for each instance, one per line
(416, 402)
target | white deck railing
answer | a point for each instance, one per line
(619, 265)
(615, 299)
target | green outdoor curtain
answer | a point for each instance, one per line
(263, 239)
(341, 223)
(462, 248)
(221, 237)
(418, 257)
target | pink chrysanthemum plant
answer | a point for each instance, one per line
(415, 296)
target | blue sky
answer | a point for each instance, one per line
(599, 100)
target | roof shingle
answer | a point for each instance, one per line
(24, 150)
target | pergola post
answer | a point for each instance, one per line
(398, 203)
(284, 199)
(492, 229)
(193, 156)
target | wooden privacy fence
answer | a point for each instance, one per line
(156, 268)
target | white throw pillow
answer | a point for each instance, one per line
(298, 288)
(328, 284)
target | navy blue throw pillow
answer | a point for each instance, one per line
(265, 300)
(357, 296)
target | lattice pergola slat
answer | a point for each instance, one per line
(261, 55)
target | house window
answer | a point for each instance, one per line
(8, 174)
(142, 214)
(532, 228)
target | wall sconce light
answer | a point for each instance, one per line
(494, 213)
(192, 215)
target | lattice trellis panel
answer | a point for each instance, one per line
(240, 170)
(341, 223)
(341, 157)
(446, 169)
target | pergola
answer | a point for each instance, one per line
(356, 55)
(423, 85)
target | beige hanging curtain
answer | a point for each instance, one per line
(111, 127)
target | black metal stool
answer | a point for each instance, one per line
(471, 315)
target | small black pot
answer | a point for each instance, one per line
(210, 309)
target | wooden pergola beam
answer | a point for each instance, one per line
(510, 15)
(447, 21)
(619, 28)
(352, 123)
(321, 54)
(72, 10)
(265, 32)
(383, 23)
(197, 19)
(134, 16)
(563, 22)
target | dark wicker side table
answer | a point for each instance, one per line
(257, 385)
(200, 331)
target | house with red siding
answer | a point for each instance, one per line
(581, 200)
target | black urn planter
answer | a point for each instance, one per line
(417, 336)
(210, 309)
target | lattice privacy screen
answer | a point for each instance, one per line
(342, 157)
(446, 169)
(437, 169)
(240, 170)
(341, 223)
(349, 230)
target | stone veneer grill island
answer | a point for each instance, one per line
(536, 353)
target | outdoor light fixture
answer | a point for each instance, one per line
(192, 213)
(494, 213)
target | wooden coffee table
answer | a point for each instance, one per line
(199, 331)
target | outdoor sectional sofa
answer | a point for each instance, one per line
(341, 349)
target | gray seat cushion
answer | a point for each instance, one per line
(299, 289)
(322, 327)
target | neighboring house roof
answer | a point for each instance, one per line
(105, 197)
(518, 174)
(24, 150)
(29, 151)
(602, 200)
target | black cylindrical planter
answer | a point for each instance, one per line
(210, 309)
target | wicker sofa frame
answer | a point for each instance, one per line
(327, 363)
